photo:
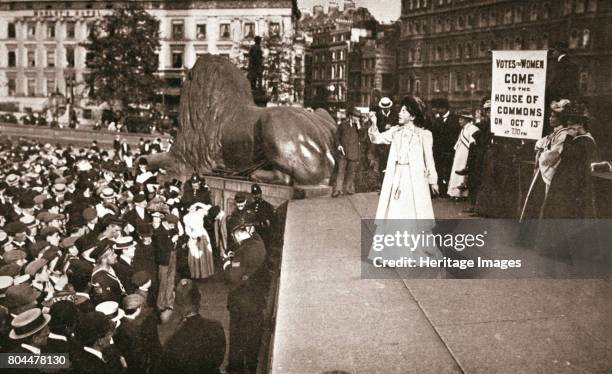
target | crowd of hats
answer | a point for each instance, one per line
(52, 198)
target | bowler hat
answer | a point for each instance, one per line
(28, 323)
(132, 302)
(91, 327)
(240, 197)
(63, 313)
(140, 278)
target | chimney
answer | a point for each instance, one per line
(305, 12)
(349, 4)
(332, 6)
(317, 10)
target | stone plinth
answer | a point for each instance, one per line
(223, 191)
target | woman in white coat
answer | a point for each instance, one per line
(410, 178)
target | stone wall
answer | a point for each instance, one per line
(76, 137)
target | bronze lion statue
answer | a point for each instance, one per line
(221, 129)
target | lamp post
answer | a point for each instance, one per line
(331, 88)
(472, 88)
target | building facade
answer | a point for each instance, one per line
(445, 44)
(372, 68)
(333, 36)
(41, 41)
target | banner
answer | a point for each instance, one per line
(517, 94)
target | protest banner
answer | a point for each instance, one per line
(517, 94)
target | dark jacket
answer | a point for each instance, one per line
(348, 137)
(246, 275)
(198, 347)
(385, 120)
(445, 134)
(125, 272)
(85, 362)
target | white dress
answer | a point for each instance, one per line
(457, 183)
(405, 193)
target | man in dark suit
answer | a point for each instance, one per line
(95, 332)
(137, 217)
(386, 117)
(196, 191)
(64, 314)
(347, 141)
(198, 346)
(445, 131)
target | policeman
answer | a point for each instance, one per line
(240, 209)
(245, 273)
(264, 215)
(105, 283)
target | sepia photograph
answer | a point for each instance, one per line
(306, 186)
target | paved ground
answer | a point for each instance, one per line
(329, 318)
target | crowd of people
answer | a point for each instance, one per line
(101, 260)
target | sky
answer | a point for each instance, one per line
(383, 10)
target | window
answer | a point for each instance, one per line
(11, 31)
(178, 30)
(177, 60)
(518, 14)
(224, 31)
(508, 16)
(468, 51)
(533, 12)
(51, 59)
(567, 7)
(447, 52)
(31, 87)
(492, 18)
(201, 31)
(533, 43)
(482, 49)
(51, 30)
(417, 87)
(584, 82)
(12, 60)
(31, 59)
(586, 38)
(50, 86)
(70, 27)
(436, 85)
(31, 30)
(459, 54)
(438, 53)
(580, 6)
(12, 87)
(70, 57)
(574, 40)
(592, 5)
(546, 10)
(274, 28)
(545, 41)
(518, 43)
(249, 30)
(484, 19)
(460, 23)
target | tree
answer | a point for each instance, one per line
(122, 59)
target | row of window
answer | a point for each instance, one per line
(334, 72)
(579, 39)
(249, 30)
(569, 6)
(496, 16)
(31, 60)
(467, 83)
(325, 38)
(324, 93)
(30, 87)
(49, 29)
(339, 55)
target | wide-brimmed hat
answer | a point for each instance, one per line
(111, 310)
(107, 193)
(465, 113)
(385, 103)
(28, 323)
